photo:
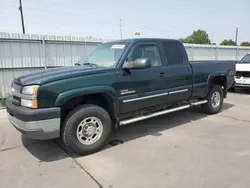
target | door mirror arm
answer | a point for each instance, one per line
(128, 65)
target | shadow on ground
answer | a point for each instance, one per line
(241, 91)
(156, 125)
(46, 151)
(53, 150)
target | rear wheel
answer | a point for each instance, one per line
(86, 129)
(215, 100)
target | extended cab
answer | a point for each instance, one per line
(120, 82)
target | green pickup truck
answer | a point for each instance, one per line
(119, 83)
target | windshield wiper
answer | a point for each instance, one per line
(91, 64)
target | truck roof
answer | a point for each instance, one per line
(144, 40)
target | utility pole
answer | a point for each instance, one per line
(236, 36)
(121, 28)
(21, 11)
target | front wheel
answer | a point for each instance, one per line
(215, 100)
(86, 129)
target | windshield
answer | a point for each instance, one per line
(105, 55)
(245, 59)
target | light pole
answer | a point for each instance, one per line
(21, 11)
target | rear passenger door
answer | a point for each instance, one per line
(179, 79)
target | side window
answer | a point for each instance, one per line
(173, 53)
(147, 51)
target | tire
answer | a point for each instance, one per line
(81, 123)
(213, 106)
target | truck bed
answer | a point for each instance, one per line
(203, 69)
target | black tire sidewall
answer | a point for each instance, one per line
(74, 119)
(211, 109)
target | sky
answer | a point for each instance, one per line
(152, 18)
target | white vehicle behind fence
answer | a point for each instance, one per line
(242, 78)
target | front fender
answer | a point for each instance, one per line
(67, 95)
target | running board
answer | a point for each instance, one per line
(198, 103)
(133, 120)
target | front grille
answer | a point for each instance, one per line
(16, 100)
(16, 87)
(16, 90)
(242, 74)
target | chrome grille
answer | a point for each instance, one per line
(16, 89)
(242, 74)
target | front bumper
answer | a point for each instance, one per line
(242, 82)
(35, 123)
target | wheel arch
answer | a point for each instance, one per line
(218, 78)
(103, 96)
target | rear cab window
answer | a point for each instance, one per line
(173, 53)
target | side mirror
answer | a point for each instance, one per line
(142, 63)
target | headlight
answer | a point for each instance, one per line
(29, 103)
(32, 91)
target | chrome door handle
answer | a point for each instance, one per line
(162, 74)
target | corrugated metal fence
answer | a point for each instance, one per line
(21, 54)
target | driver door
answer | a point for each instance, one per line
(142, 88)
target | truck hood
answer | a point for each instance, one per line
(243, 67)
(54, 74)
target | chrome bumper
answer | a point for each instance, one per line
(42, 130)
